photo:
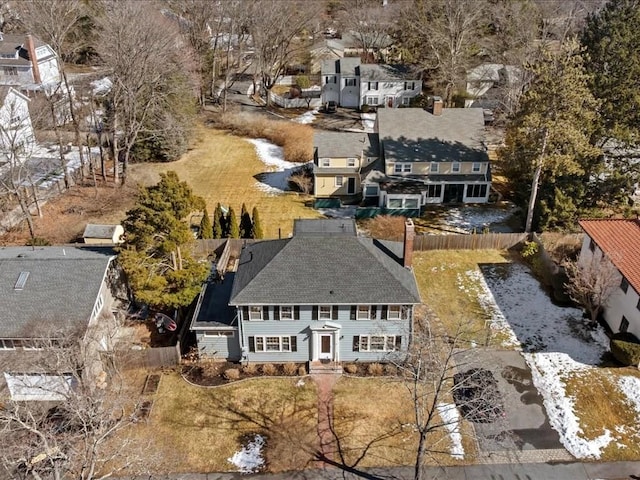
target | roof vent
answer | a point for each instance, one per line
(22, 280)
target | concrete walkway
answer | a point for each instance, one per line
(325, 383)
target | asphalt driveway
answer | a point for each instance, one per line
(526, 425)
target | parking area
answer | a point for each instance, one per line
(525, 425)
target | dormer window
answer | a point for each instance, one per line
(325, 162)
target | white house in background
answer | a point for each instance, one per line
(16, 130)
(353, 84)
(103, 234)
(27, 63)
(619, 241)
(494, 85)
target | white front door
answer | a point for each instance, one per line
(326, 346)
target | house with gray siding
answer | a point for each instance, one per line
(324, 295)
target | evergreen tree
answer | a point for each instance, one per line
(156, 254)
(257, 226)
(218, 222)
(206, 230)
(246, 226)
(232, 222)
(547, 141)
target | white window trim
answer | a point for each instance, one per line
(369, 186)
(262, 339)
(351, 162)
(455, 167)
(7, 344)
(98, 306)
(325, 162)
(328, 317)
(372, 100)
(257, 319)
(390, 309)
(219, 334)
(476, 167)
(368, 314)
(339, 181)
(347, 80)
(365, 341)
(479, 186)
(437, 165)
(291, 313)
(404, 202)
(405, 100)
(402, 167)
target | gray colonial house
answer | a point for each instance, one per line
(324, 295)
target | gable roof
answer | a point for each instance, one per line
(106, 232)
(62, 287)
(323, 270)
(619, 239)
(375, 71)
(345, 66)
(413, 134)
(345, 144)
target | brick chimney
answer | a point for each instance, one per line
(31, 48)
(409, 234)
(437, 107)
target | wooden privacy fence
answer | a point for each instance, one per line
(482, 241)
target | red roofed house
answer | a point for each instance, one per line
(619, 241)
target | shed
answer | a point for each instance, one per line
(101, 234)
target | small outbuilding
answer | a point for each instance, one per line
(103, 234)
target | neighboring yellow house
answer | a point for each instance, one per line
(340, 160)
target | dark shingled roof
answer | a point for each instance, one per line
(212, 309)
(415, 135)
(62, 287)
(329, 270)
(374, 71)
(324, 227)
(345, 144)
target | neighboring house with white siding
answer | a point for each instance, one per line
(323, 295)
(27, 63)
(353, 84)
(619, 241)
(49, 295)
(16, 129)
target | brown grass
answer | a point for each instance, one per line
(375, 415)
(197, 429)
(294, 138)
(600, 405)
(385, 227)
(221, 168)
(441, 277)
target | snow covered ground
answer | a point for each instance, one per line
(275, 180)
(249, 458)
(368, 121)
(476, 217)
(306, 117)
(556, 345)
(451, 418)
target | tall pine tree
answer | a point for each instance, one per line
(246, 226)
(232, 222)
(218, 222)
(206, 230)
(549, 136)
(257, 225)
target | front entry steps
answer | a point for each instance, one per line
(324, 366)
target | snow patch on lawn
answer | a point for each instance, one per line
(468, 219)
(557, 343)
(368, 121)
(249, 458)
(306, 117)
(451, 419)
(630, 386)
(348, 211)
(275, 180)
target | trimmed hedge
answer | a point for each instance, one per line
(625, 348)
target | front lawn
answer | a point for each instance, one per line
(196, 429)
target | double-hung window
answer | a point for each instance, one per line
(455, 167)
(364, 312)
(286, 313)
(255, 313)
(393, 312)
(339, 181)
(351, 162)
(376, 343)
(349, 82)
(324, 312)
(272, 343)
(434, 167)
(325, 162)
(373, 85)
(477, 167)
(402, 168)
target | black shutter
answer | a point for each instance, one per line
(296, 312)
(245, 313)
(385, 312)
(252, 344)
(356, 343)
(314, 312)
(294, 343)
(353, 312)
(334, 312)
(398, 342)
(265, 313)
(374, 311)
(276, 313)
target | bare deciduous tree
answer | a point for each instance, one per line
(72, 434)
(142, 52)
(591, 283)
(278, 31)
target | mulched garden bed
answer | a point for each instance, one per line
(222, 373)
